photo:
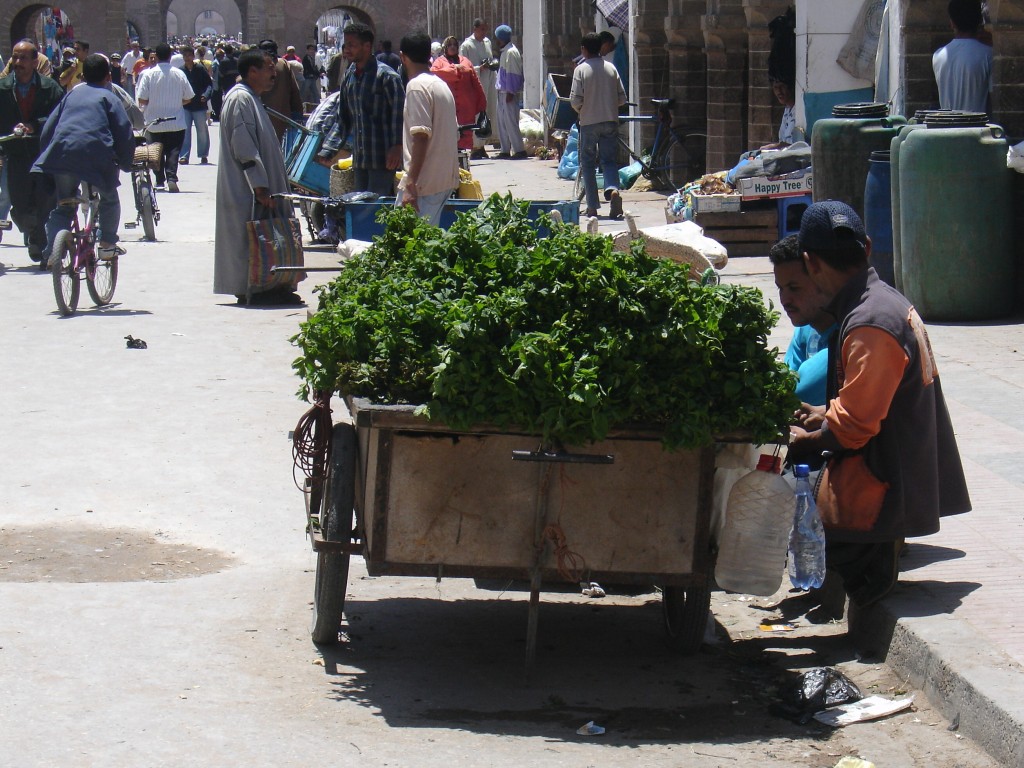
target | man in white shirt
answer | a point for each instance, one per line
(162, 92)
(963, 67)
(128, 65)
(430, 134)
(477, 48)
(597, 94)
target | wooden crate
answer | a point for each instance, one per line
(751, 231)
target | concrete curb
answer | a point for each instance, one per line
(961, 674)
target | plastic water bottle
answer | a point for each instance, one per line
(752, 549)
(807, 542)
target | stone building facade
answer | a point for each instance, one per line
(709, 55)
(103, 22)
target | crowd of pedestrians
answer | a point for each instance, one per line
(389, 109)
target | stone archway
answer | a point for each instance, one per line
(24, 22)
(210, 22)
(235, 12)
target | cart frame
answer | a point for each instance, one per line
(372, 476)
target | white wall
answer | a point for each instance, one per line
(822, 28)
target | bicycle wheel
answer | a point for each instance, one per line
(101, 279)
(679, 161)
(578, 190)
(65, 278)
(148, 219)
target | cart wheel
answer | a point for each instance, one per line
(336, 522)
(686, 616)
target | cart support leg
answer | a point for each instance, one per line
(533, 615)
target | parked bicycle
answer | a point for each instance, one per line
(148, 156)
(675, 158)
(74, 256)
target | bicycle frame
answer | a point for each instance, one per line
(85, 237)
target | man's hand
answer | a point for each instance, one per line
(24, 129)
(410, 195)
(262, 195)
(510, 97)
(393, 161)
(810, 417)
(804, 446)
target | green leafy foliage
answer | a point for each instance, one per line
(487, 322)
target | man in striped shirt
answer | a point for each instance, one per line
(370, 110)
(510, 87)
(162, 92)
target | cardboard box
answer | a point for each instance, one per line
(715, 203)
(791, 185)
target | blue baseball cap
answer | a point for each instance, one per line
(826, 224)
(503, 33)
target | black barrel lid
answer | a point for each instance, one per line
(880, 156)
(861, 109)
(954, 119)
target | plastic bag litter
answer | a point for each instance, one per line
(569, 165)
(871, 708)
(590, 729)
(1015, 157)
(818, 689)
(854, 762)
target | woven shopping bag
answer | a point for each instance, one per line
(275, 241)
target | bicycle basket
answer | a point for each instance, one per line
(150, 155)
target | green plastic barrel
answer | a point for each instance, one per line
(842, 145)
(956, 220)
(917, 121)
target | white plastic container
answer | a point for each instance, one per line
(755, 537)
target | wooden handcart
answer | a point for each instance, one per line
(416, 498)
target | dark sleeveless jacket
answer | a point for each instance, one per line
(915, 449)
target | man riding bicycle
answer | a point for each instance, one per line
(87, 139)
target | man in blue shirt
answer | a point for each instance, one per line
(370, 109)
(804, 304)
(963, 67)
(88, 138)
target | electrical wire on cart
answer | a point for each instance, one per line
(311, 442)
(571, 565)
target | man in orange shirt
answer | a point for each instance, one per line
(894, 467)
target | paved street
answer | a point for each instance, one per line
(155, 581)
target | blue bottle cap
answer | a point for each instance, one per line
(802, 470)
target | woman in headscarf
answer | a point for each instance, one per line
(470, 100)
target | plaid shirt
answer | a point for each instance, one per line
(370, 109)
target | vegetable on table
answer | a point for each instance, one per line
(487, 322)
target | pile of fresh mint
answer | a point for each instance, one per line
(488, 323)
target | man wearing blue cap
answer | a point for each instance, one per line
(893, 468)
(509, 86)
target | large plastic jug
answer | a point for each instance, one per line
(755, 537)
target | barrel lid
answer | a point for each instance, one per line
(922, 114)
(880, 155)
(953, 119)
(861, 109)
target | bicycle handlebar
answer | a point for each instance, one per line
(13, 136)
(156, 121)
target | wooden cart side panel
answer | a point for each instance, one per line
(460, 501)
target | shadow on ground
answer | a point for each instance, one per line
(431, 663)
